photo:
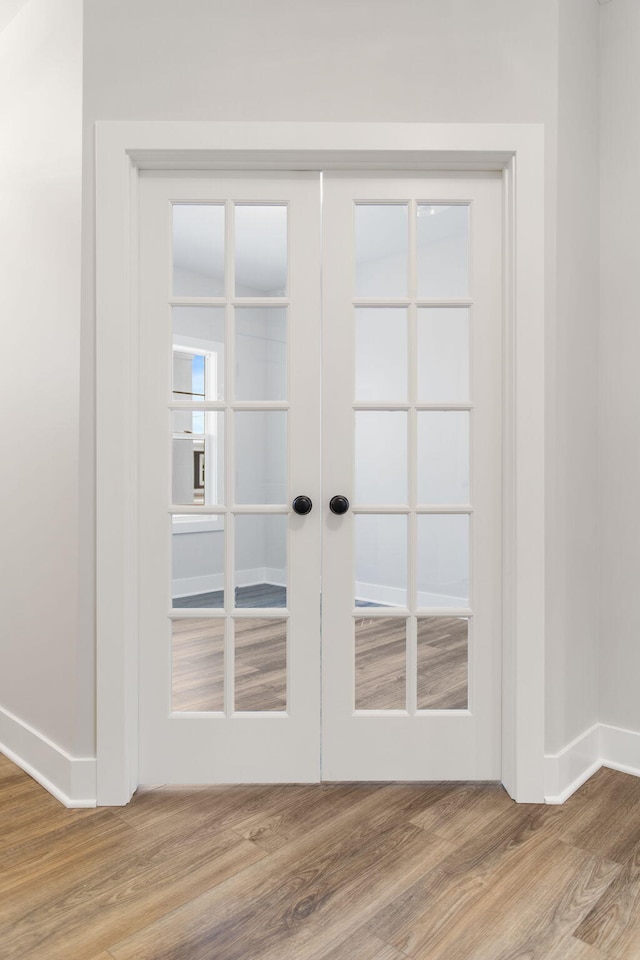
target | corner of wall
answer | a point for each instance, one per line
(71, 780)
(601, 745)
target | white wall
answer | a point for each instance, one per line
(406, 60)
(8, 10)
(619, 363)
(46, 674)
(572, 383)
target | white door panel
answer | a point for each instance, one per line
(412, 437)
(232, 393)
(229, 576)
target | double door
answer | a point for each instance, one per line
(319, 427)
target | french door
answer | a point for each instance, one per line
(319, 428)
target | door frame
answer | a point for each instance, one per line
(122, 151)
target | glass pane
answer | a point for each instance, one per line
(261, 560)
(381, 249)
(197, 457)
(381, 353)
(443, 457)
(443, 250)
(261, 353)
(443, 560)
(197, 561)
(198, 250)
(381, 659)
(261, 456)
(189, 374)
(381, 457)
(198, 332)
(380, 560)
(261, 250)
(442, 663)
(197, 675)
(443, 354)
(260, 664)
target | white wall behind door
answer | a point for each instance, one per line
(499, 60)
(407, 60)
(46, 661)
(619, 352)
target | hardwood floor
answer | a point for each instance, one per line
(260, 664)
(326, 872)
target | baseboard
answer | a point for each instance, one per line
(567, 770)
(191, 586)
(71, 780)
(620, 749)
(369, 592)
(601, 745)
(210, 583)
(397, 597)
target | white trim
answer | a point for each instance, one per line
(568, 769)
(122, 150)
(397, 597)
(71, 780)
(196, 523)
(190, 586)
(600, 746)
(620, 749)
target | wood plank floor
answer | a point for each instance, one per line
(326, 872)
(260, 664)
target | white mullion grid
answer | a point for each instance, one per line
(382, 508)
(197, 301)
(447, 508)
(224, 404)
(464, 613)
(453, 302)
(197, 405)
(260, 301)
(418, 508)
(407, 301)
(197, 613)
(381, 302)
(229, 467)
(262, 613)
(412, 466)
(470, 644)
(260, 405)
(394, 405)
(197, 509)
(373, 405)
(259, 509)
(446, 406)
(380, 612)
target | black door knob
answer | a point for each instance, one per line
(302, 505)
(338, 504)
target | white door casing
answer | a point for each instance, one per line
(123, 151)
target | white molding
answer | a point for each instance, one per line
(71, 780)
(196, 523)
(620, 749)
(125, 148)
(397, 597)
(272, 575)
(601, 745)
(189, 586)
(568, 769)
